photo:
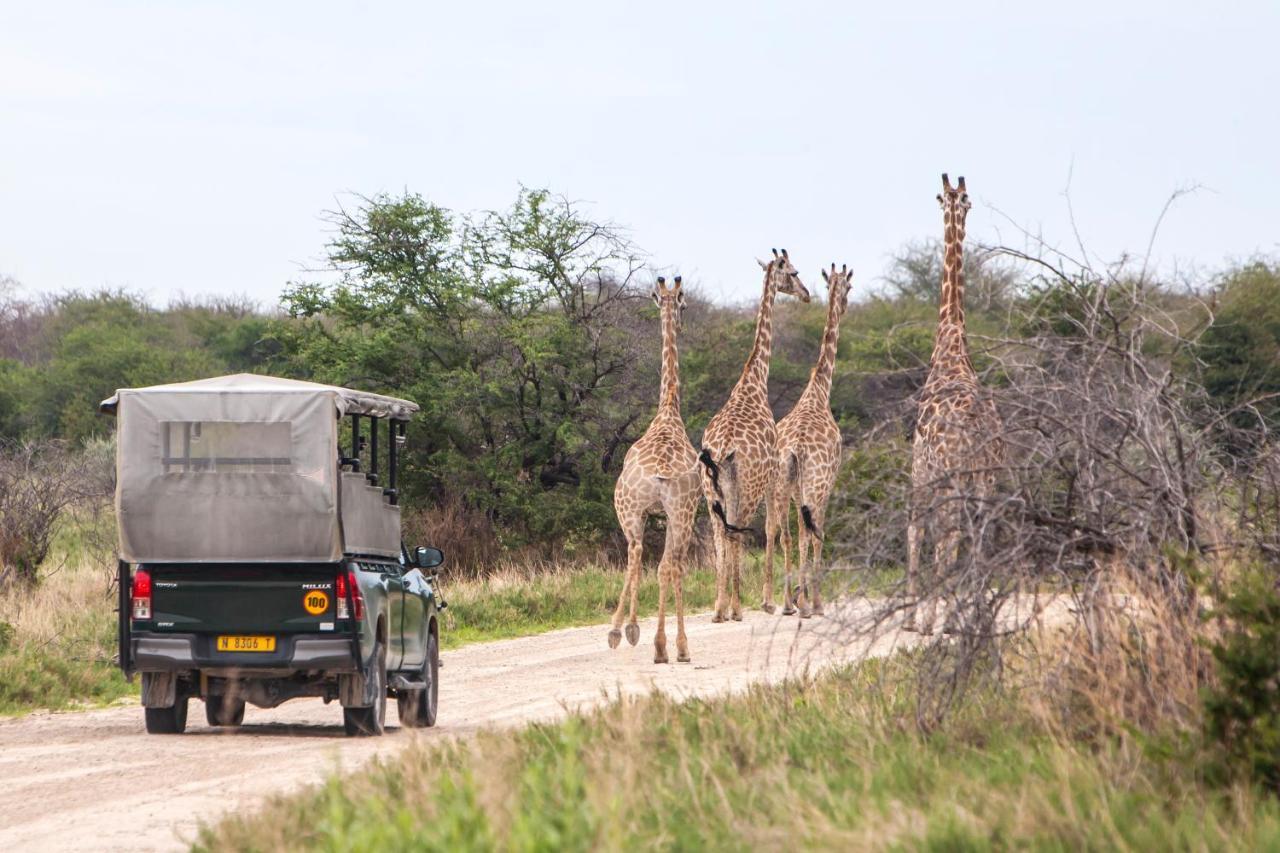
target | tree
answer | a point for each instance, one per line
(517, 332)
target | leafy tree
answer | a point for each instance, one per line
(1241, 350)
(517, 332)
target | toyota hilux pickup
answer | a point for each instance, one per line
(260, 559)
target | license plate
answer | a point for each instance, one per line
(246, 644)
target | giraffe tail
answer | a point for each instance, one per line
(718, 509)
(795, 473)
(717, 506)
(807, 515)
(713, 471)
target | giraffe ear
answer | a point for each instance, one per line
(762, 264)
(824, 276)
(654, 295)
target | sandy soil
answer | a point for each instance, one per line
(94, 780)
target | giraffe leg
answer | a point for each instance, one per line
(660, 637)
(815, 566)
(633, 627)
(736, 551)
(784, 530)
(722, 548)
(802, 568)
(680, 541)
(947, 557)
(915, 538)
(770, 534)
(633, 529)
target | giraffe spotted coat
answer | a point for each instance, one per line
(809, 446)
(659, 476)
(957, 449)
(739, 446)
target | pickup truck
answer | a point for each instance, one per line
(261, 561)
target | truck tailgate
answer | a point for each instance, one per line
(243, 598)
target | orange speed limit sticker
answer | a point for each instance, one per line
(315, 601)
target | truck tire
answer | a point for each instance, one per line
(223, 710)
(418, 707)
(167, 721)
(365, 722)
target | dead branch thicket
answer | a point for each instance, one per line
(1122, 485)
(40, 482)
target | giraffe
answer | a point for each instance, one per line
(957, 449)
(739, 447)
(659, 475)
(809, 446)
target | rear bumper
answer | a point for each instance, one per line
(294, 653)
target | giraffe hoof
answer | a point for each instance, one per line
(788, 610)
(819, 610)
(768, 608)
(615, 637)
(633, 633)
(683, 657)
(719, 617)
(737, 616)
(660, 657)
(805, 613)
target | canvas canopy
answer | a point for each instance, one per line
(245, 468)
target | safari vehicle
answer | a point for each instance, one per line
(259, 563)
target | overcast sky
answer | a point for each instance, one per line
(191, 147)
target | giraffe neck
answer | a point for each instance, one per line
(950, 340)
(669, 392)
(820, 378)
(756, 370)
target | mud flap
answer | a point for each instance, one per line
(356, 689)
(159, 689)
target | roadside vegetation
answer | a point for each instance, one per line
(58, 637)
(518, 601)
(836, 762)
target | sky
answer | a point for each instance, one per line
(191, 148)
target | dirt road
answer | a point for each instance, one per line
(93, 780)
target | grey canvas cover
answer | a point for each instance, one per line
(244, 468)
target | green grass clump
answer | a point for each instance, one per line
(833, 763)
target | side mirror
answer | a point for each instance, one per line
(427, 558)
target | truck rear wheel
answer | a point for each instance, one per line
(167, 721)
(418, 707)
(223, 710)
(362, 722)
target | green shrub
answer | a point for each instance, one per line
(1242, 713)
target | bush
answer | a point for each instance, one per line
(1242, 712)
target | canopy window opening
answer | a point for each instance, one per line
(226, 447)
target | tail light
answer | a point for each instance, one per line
(140, 595)
(340, 593)
(347, 584)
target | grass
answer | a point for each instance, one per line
(58, 639)
(832, 763)
(520, 601)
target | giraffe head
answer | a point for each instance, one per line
(838, 284)
(669, 297)
(783, 276)
(954, 201)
